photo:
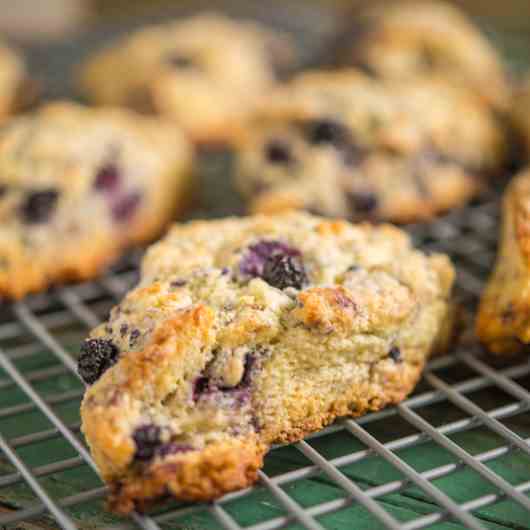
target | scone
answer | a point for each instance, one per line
(15, 88)
(341, 143)
(77, 185)
(206, 72)
(402, 39)
(244, 332)
(503, 322)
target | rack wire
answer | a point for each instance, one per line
(40, 396)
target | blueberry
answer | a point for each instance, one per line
(133, 337)
(107, 178)
(200, 386)
(38, 206)
(327, 131)
(123, 209)
(363, 202)
(278, 152)
(97, 355)
(283, 271)
(253, 262)
(395, 354)
(147, 439)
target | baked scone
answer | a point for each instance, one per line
(503, 322)
(244, 332)
(15, 87)
(77, 185)
(206, 72)
(341, 143)
(408, 38)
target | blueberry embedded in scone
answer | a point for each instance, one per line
(343, 144)
(248, 332)
(78, 186)
(502, 322)
(206, 72)
(418, 38)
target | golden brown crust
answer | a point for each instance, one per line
(503, 321)
(218, 469)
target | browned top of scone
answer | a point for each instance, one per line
(205, 71)
(407, 38)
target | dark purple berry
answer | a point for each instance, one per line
(133, 337)
(107, 178)
(147, 439)
(327, 131)
(97, 355)
(123, 209)
(395, 354)
(363, 202)
(253, 262)
(283, 271)
(178, 283)
(38, 206)
(278, 152)
(200, 386)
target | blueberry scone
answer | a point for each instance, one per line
(503, 322)
(344, 144)
(206, 72)
(421, 37)
(15, 87)
(245, 332)
(78, 185)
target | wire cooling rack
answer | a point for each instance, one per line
(457, 450)
(456, 454)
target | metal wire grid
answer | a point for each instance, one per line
(42, 323)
